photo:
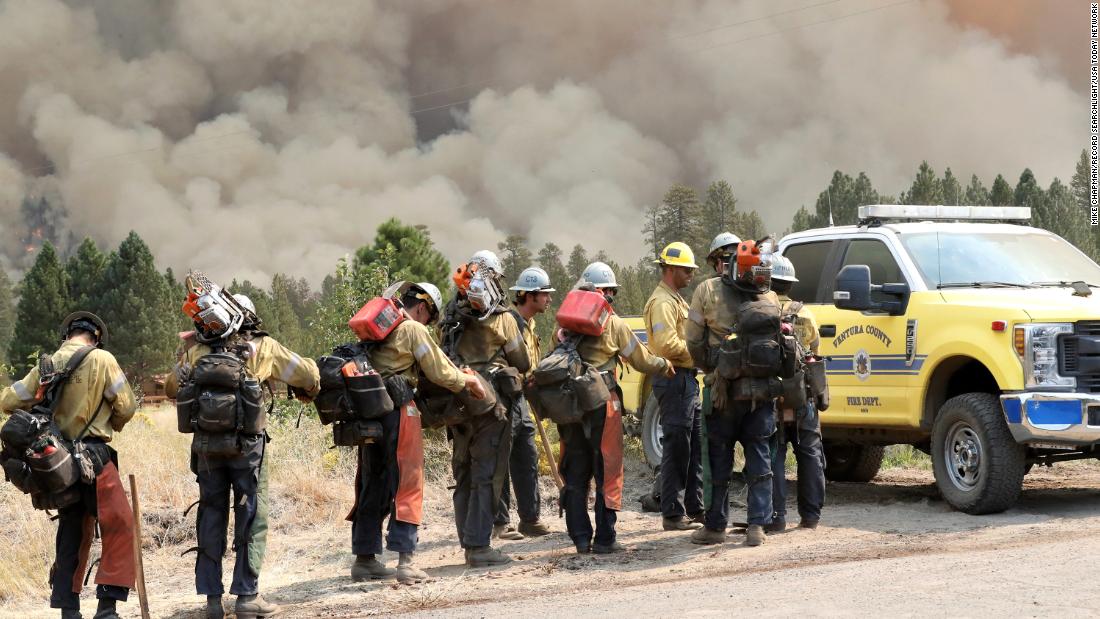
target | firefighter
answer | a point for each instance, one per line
(390, 475)
(532, 297)
(682, 435)
(91, 406)
(804, 430)
(593, 448)
(480, 333)
(244, 468)
(738, 412)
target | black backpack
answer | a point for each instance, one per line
(759, 348)
(35, 455)
(220, 401)
(564, 386)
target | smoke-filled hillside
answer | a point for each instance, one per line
(247, 137)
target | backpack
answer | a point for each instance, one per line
(759, 348)
(353, 394)
(36, 457)
(219, 400)
(564, 386)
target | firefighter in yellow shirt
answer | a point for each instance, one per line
(593, 449)
(226, 341)
(532, 297)
(748, 418)
(805, 429)
(480, 333)
(390, 473)
(678, 396)
(89, 407)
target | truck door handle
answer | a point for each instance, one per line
(827, 330)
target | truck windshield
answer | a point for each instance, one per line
(955, 259)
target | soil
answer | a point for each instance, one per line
(888, 546)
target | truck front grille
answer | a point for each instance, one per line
(1078, 355)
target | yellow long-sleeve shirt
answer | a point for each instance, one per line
(805, 326)
(619, 341)
(494, 342)
(665, 314)
(269, 359)
(411, 348)
(98, 379)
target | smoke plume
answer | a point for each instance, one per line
(246, 137)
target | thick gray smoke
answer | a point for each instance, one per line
(248, 137)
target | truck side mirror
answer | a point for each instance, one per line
(853, 292)
(853, 288)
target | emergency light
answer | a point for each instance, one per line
(921, 212)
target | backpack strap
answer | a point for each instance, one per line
(57, 384)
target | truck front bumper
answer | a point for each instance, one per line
(1053, 419)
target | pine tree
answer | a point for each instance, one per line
(136, 310)
(549, 258)
(177, 294)
(413, 257)
(749, 226)
(652, 228)
(1001, 193)
(7, 317)
(578, 259)
(43, 304)
(680, 217)
(85, 270)
(1080, 185)
(951, 189)
(719, 213)
(515, 256)
(804, 220)
(843, 197)
(285, 324)
(976, 193)
(926, 188)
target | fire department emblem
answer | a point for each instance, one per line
(861, 364)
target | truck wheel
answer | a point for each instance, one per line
(979, 467)
(850, 462)
(651, 431)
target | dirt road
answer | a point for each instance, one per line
(890, 546)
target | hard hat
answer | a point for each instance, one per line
(677, 254)
(245, 302)
(783, 269)
(433, 293)
(599, 275)
(532, 279)
(86, 321)
(724, 239)
(489, 260)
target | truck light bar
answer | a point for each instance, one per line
(883, 212)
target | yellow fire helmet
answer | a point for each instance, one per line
(677, 254)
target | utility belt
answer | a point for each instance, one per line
(439, 407)
(567, 401)
(364, 426)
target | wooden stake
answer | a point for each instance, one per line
(142, 597)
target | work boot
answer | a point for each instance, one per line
(755, 535)
(506, 532)
(708, 536)
(777, 525)
(367, 567)
(808, 524)
(105, 610)
(70, 613)
(583, 548)
(602, 549)
(406, 573)
(486, 556)
(701, 517)
(214, 608)
(537, 528)
(679, 523)
(254, 606)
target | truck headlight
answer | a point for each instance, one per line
(1036, 345)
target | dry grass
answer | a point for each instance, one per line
(311, 486)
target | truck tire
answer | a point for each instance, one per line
(851, 462)
(651, 431)
(979, 467)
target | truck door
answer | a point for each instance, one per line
(868, 373)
